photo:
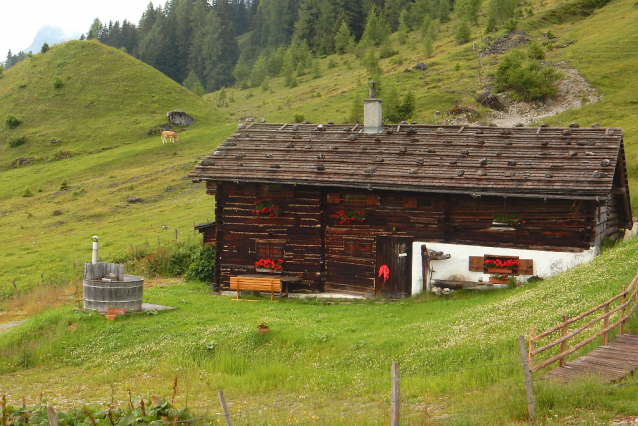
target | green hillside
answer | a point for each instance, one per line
(100, 116)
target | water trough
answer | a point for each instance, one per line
(106, 286)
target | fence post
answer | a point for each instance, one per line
(530, 357)
(531, 411)
(561, 363)
(606, 324)
(622, 312)
(222, 400)
(396, 395)
(53, 420)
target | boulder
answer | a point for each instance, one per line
(179, 118)
(133, 200)
(151, 132)
(420, 66)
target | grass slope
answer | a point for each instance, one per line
(100, 116)
(326, 357)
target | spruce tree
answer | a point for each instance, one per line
(344, 39)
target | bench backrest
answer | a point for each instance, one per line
(255, 284)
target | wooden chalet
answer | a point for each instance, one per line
(480, 192)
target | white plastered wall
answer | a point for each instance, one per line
(546, 263)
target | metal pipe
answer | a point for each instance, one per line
(95, 246)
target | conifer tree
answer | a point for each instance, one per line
(344, 39)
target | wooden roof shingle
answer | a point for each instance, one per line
(544, 162)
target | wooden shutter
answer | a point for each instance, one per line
(526, 267)
(333, 198)
(373, 200)
(477, 263)
(409, 202)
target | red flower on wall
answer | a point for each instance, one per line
(267, 209)
(502, 264)
(273, 265)
(350, 216)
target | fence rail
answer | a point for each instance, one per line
(627, 301)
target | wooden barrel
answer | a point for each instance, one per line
(120, 291)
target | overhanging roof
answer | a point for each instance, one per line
(544, 162)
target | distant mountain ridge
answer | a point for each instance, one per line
(50, 35)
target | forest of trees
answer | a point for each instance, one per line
(208, 45)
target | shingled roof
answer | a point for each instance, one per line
(543, 162)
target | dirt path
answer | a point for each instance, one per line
(9, 325)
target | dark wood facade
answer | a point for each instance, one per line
(566, 204)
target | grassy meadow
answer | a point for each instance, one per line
(320, 357)
(321, 361)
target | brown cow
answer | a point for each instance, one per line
(172, 136)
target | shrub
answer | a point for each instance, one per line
(172, 260)
(64, 185)
(511, 25)
(298, 117)
(462, 34)
(535, 51)
(202, 267)
(12, 121)
(45, 48)
(57, 82)
(27, 192)
(331, 64)
(526, 78)
(15, 142)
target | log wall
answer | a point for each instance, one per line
(239, 230)
(328, 254)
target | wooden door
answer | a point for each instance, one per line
(396, 254)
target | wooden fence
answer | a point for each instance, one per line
(611, 317)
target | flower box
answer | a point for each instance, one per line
(499, 271)
(497, 281)
(272, 271)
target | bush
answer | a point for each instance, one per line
(45, 48)
(535, 51)
(298, 118)
(12, 121)
(526, 78)
(172, 260)
(511, 25)
(57, 82)
(202, 267)
(15, 142)
(462, 34)
(27, 192)
(64, 185)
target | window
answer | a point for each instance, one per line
(352, 199)
(424, 202)
(271, 187)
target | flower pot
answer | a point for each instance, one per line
(497, 281)
(499, 271)
(116, 311)
(110, 317)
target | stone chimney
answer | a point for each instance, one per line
(372, 113)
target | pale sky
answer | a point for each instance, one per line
(23, 18)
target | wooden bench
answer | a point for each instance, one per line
(256, 284)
